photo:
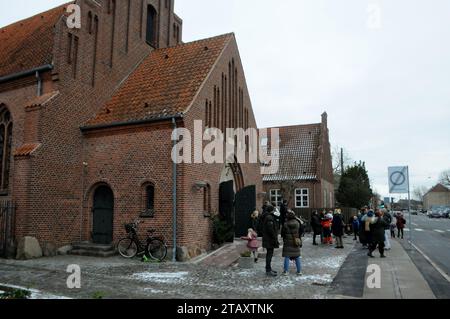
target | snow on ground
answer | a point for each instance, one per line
(161, 277)
(333, 262)
(35, 294)
(153, 291)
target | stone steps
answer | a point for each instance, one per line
(93, 250)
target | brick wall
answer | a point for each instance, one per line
(48, 186)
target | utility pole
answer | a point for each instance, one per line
(342, 161)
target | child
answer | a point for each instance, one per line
(393, 227)
(252, 243)
(326, 226)
(355, 225)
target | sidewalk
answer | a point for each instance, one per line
(400, 278)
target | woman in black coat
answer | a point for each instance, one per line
(337, 227)
(378, 234)
(270, 237)
(316, 226)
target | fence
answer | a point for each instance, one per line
(306, 213)
(7, 227)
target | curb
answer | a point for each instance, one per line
(438, 269)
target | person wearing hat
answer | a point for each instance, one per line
(292, 242)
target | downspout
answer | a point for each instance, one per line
(39, 83)
(174, 195)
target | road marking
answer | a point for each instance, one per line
(439, 231)
(432, 263)
(418, 229)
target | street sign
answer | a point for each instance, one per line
(398, 180)
(399, 184)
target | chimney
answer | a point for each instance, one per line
(325, 119)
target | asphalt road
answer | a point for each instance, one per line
(432, 237)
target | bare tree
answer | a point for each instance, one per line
(336, 155)
(419, 192)
(444, 178)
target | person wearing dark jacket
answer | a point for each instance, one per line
(283, 212)
(291, 242)
(316, 226)
(377, 227)
(401, 222)
(355, 227)
(337, 227)
(270, 237)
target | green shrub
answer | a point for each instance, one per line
(222, 230)
(15, 294)
(98, 295)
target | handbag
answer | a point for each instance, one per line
(297, 241)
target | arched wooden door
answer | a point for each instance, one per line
(245, 205)
(103, 215)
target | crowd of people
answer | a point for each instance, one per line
(373, 229)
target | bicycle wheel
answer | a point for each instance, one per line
(157, 250)
(127, 248)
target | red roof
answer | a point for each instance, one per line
(164, 84)
(298, 153)
(27, 44)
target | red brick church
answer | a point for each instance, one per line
(86, 118)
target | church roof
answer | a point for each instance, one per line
(27, 44)
(164, 84)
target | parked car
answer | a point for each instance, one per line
(446, 213)
(414, 212)
(434, 214)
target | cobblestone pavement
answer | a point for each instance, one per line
(119, 278)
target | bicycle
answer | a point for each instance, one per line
(131, 246)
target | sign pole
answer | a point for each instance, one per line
(409, 209)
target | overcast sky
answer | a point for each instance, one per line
(380, 68)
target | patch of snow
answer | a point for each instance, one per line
(36, 294)
(322, 278)
(153, 291)
(334, 262)
(162, 277)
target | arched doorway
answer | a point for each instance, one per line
(236, 201)
(103, 215)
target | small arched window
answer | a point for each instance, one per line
(89, 22)
(5, 148)
(148, 192)
(150, 197)
(151, 26)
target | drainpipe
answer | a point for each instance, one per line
(39, 83)
(174, 196)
